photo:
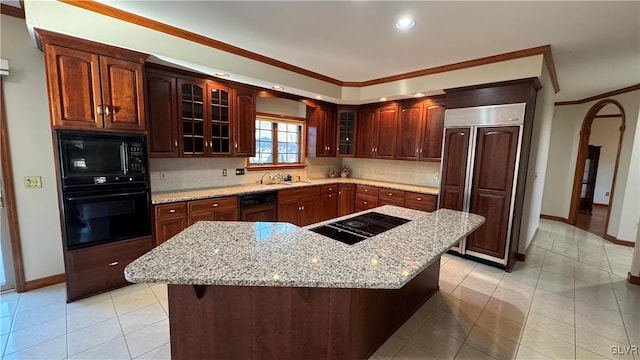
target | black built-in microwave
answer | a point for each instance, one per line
(97, 158)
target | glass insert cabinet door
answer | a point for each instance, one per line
(192, 114)
(220, 119)
(346, 132)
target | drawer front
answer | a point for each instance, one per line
(394, 202)
(165, 211)
(365, 202)
(208, 205)
(94, 269)
(422, 202)
(367, 190)
(295, 194)
(420, 198)
(391, 195)
(328, 189)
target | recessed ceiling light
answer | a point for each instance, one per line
(221, 74)
(277, 87)
(405, 23)
(383, 99)
(418, 94)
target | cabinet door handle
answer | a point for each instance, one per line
(175, 143)
(99, 109)
(114, 263)
(215, 205)
(107, 110)
(172, 210)
(236, 145)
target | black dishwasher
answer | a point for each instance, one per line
(262, 206)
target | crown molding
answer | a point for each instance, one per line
(600, 96)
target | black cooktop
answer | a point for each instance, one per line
(353, 230)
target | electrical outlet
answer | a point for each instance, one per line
(32, 182)
(224, 172)
(606, 194)
(436, 176)
(239, 171)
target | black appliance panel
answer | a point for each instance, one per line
(92, 218)
(355, 229)
(101, 158)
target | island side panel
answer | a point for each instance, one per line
(290, 323)
(377, 314)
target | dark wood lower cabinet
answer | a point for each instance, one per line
(328, 206)
(263, 322)
(346, 199)
(96, 269)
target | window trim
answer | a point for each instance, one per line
(303, 143)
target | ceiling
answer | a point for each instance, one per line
(595, 44)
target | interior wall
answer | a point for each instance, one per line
(31, 151)
(629, 214)
(538, 159)
(605, 132)
(565, 135)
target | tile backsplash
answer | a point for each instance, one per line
(193, 173)
(405, 172)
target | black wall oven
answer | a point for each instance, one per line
(104, 187)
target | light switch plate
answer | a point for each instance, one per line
(32, 182)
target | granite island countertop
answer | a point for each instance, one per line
(163, 197)
(282, 254)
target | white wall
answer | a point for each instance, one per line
(565, 135)
(31, 144)
(630, 210)
(536, 173)
(605, 132)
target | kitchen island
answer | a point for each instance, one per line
(274, 290)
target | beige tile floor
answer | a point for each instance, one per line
(569, 300)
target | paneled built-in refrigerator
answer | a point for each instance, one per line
(481, 151)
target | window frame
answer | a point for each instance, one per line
(275, 119)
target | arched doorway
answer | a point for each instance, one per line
(582, 181)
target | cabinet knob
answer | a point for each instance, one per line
(215, 205)
(303, 208)
(236, 145)
(172, 210)
(366, 190)
(175, 143)
(417, 151)
(99, 109)
(330, 195)
(419, 199)
(420, 151)
(107, 110)
(113, 263)
(390, 194)
(365, 202)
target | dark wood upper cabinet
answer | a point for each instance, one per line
(365, 132)
(346, 132)
(321, 131)
(386, 126)
(433, 129)
(192, 113)
(376, 132)
(245, 123)
(409, 131)
(161, 106)
(92, 91)
(219, 124)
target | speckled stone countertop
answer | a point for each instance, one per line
(281, 254)
(196, 194)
